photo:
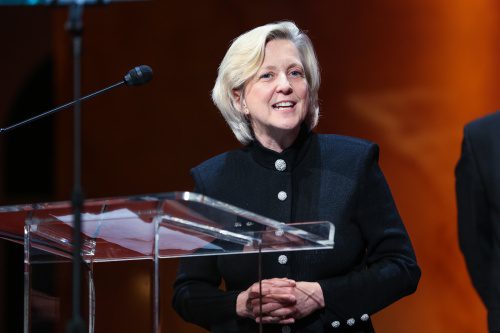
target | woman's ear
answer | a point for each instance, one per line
(239, 101)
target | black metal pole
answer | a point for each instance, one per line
(75, 27)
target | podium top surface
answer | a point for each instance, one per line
(175, 224)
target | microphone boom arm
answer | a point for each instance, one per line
(59, 108)
(135, 77)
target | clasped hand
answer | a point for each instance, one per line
(283, 301)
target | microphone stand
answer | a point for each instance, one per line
(137, 76)
(74, 26)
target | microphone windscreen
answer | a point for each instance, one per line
(138, 76)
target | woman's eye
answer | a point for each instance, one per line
(266, 76)
(296, 73)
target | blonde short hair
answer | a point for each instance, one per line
(241, 63)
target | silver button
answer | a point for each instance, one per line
(282, 195)
(237, 224)
(282, 259)
(280, 165)
(249, 223)
(279, 233)
(336, 324)
(351, 321)
(286, 329)
(365, 317)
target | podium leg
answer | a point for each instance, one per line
(27, 280)
(156, 279)
(91, 291)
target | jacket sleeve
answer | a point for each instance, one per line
(197, 296)
(474, 228)
(389, 270)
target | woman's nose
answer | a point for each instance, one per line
(283, 84)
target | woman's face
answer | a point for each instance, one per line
(276, 99)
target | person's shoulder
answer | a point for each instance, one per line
(346, 155)
(345, 152)
(342, 143)
(490, 122)
(217, 162)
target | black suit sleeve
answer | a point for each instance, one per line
(197, 296)
(389, 270)
(474, 227)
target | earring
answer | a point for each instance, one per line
(245, 109)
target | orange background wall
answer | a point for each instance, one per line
(405, 74)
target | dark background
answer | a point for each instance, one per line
(406, 74)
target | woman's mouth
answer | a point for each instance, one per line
(283, 105)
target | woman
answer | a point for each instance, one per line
(267, 90)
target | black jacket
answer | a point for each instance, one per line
(478, 200)
(327, 177)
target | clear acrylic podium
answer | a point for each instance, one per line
(149, 227)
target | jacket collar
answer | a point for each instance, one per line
(288, 159)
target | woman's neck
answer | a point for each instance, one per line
(278, 140)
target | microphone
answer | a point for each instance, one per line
(135, 77)
(138, 76)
